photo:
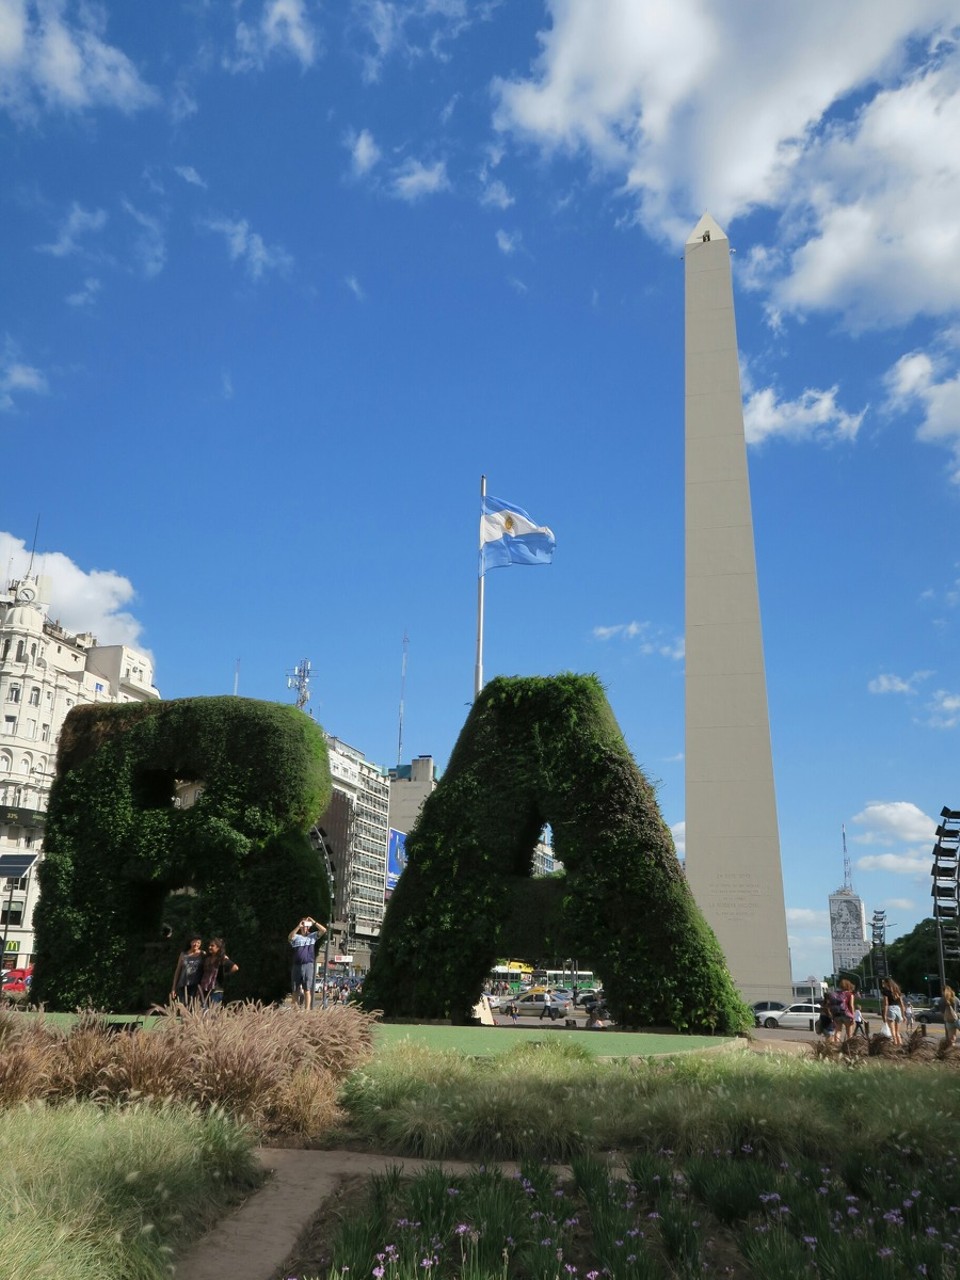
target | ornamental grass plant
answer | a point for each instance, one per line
(273, 1067)
(90, 1192)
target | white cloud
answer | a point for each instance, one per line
(508, 241)
(189, 174)
(902, 864)
(924, 383)
(17, 377)
(806, 918)
(78, 222)
(353, 284)
(226, 385)
(944, 710)
(495, 193)
(48, 62)
(679, 833)
(150, 248)
(81, 600)
(283, 27)
(652, 640)
(888, 822)
(890, 683)
(843, 117)
(901, 904)
(814, 415)
(364, 152)
(414, 179)
(85, 296)
(248, 248)
(413, 29)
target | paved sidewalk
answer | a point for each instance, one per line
(257, 1237)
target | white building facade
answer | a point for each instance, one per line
(848, 929)
(44, 672)
(354, 829)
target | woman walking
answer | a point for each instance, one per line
(891, 1007)
(950, 1015)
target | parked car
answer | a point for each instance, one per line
(587, 993)
(794, 1016)
(532, 1004)
(933, 1014)
(763, 1007)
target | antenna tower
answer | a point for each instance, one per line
(847, 874)
(299, 679)
(403, 684)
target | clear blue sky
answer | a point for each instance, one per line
(281, 279)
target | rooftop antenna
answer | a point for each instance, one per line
(33, 549)
(403, 684)
(847, 874)
(299, 679)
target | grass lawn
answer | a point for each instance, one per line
(485, 1042)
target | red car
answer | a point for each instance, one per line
(16, 982)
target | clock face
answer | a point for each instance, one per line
(27, 593)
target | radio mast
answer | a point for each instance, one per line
(299, 679)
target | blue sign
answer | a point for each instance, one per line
(396, 858)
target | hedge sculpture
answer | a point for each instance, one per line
(124, 865)
(536, 751)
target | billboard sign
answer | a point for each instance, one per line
(396, 858)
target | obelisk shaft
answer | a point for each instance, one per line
(732, 837)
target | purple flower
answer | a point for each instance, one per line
(884, 1253)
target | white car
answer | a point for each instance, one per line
(795, 1017)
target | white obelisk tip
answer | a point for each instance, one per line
(706, 229)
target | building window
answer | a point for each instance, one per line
(21, 650)
(44, 733)
(35, 696)
(13, 693)
(6, 762)
(14, 916)
(9, 724)
(25, 764)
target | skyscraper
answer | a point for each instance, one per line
(732, 836)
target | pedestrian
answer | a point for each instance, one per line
(908, 1017)
(186, 977)
(825, 1025)
(891, 1007)
(859, 1026)
(216, 966)
(950, 1015)
(546, 1010)
(303, 964)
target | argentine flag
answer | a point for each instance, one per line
(509, 536)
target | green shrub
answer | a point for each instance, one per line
(122, 860)
(536, 751)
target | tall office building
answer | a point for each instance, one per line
(732, 836)
(410, 784)
(44, 672)
(354, 827)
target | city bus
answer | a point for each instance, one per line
(571, 979)
(515, 973)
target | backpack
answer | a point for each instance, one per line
(836, 1005)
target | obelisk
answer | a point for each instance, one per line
(732, 837)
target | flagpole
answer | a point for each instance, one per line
(478, 673)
